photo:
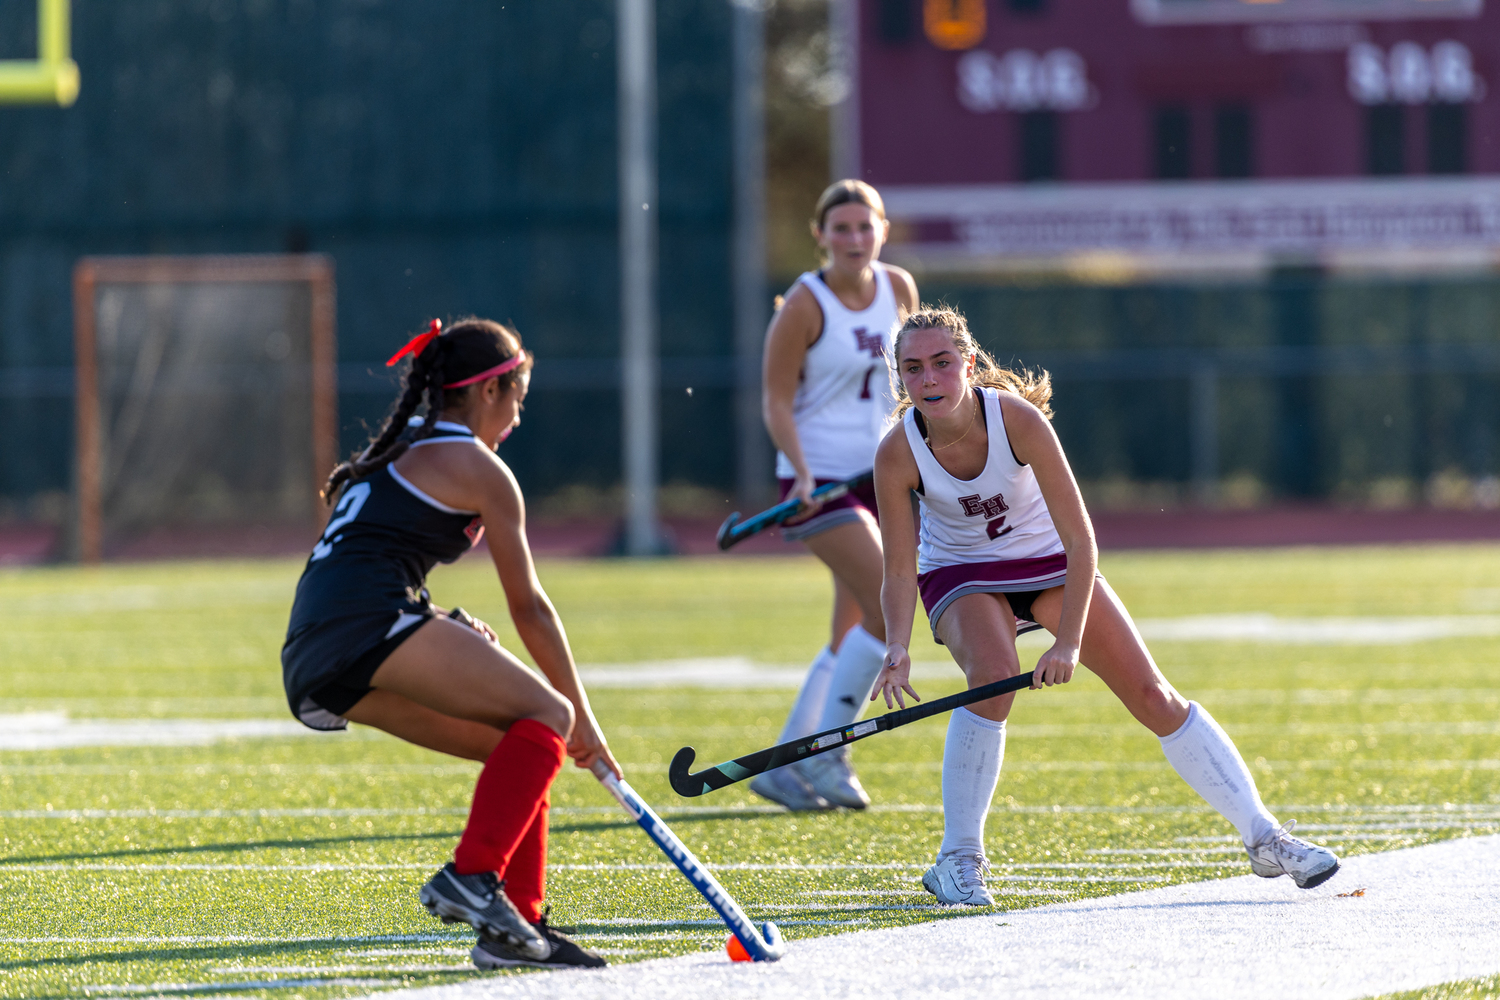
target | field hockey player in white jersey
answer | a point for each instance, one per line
(827, 400)
(1006, 542)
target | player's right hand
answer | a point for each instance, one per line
(895, 676)
(802, 487)
(1055, 666)
(587, 745)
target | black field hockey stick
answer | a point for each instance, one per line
(763, 945)
(732, 532)
(710, 779)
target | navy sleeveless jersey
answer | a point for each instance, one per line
(382, 539)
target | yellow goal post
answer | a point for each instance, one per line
(52, 77)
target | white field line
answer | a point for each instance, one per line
(178, 989)
(723, 672)
(1427, 917)
(103, 710)
(235, 939)
(733, 810)
(324, 970)
(607, 867)
(59, 732)
(393, 952)
(890, 767)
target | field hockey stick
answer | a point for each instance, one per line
(765, 945)
(732, 532)
(711, 779)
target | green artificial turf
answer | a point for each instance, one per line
(1487, 988)
(293, 861)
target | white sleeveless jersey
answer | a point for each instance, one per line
(844, 402)
(997, 515)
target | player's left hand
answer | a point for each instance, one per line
(895, 676)
(464, 618)
(1056, 666)
(587, 745)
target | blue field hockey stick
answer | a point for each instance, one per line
(765, 945)
(732, 532)
(688, 784)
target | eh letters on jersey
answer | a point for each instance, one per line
(864, 340)
(992, 510)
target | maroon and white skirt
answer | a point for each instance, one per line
(856, 505)
(941, 586)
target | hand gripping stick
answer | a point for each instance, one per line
(731, 532)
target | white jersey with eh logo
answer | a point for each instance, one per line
(997, 515)
(844, 401)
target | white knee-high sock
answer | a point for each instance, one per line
(972, 755)
(802, 720)
(860, 658)
(1202, 753)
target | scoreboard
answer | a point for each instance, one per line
(1197, 130)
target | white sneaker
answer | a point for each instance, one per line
(831, 776)
(1283, 854)
(786, 787)
(958, 880)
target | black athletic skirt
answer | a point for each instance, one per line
(327, 665)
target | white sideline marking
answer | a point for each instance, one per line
(55, 731)
(1274, 630)
(1427, 917)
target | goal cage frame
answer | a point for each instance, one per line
(91, 274)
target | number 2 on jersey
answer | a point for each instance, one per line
(347, 510)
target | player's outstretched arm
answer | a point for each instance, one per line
(536, 620)
(1035, 443)
(896, 476)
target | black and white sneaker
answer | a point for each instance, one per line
(479, 900)
(566, 953)
(958, 880)
(1282, 854)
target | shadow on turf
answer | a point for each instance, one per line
(207, 953)
(673, 821)
(245, 845)
(259, 845)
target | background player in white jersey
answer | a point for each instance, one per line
(1005, 539)
(827, 399)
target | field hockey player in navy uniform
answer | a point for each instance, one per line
(365, 644)
(827, 401)
(1006, 542)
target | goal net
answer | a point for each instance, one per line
(206, 396)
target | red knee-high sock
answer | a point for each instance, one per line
(526, 878)
(511, 790)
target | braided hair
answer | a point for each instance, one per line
(465, 349)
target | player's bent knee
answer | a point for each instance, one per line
(556, 713)
(1160, 707)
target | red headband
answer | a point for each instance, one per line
(500, 369)
(418, 344)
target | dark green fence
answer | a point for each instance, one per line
(1299, 386)
(453, 157)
